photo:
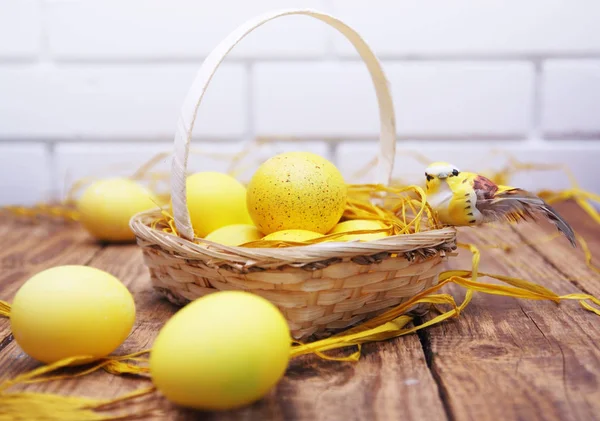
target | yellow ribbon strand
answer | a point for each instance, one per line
(406, 211)
(391, 324)
(114, 364)
(4, 309)
(587, 253)
(17, 406)
(28, 406)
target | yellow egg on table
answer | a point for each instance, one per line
(214, 201)
(296, 190)
(106, 207)
(359, 225)
(234, 235)
(222, 351)
(292, 235)
(69, 311)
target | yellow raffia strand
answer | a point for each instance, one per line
(4, 309)
(587, 253)
(514, 166)
(393, 323)
(17, 406)
(405, 212)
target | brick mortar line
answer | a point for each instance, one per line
(536, 129)
(249, 105)
(509, 141)
(318, 58)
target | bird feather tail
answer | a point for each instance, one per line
(530, 204)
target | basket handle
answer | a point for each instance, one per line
(196, 92)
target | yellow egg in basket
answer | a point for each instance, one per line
(296, 190)
(235, 235)
(292, 235)
(359, 225)
(215, 200)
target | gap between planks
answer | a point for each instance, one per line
(312, 389)
(564, 344)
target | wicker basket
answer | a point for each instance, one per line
(320, 288)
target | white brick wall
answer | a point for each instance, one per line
(581, 157)
(114, 101)
(419, 28)
(24, 170)
(20, 29)
(176, 29)
(462, 99)
(87, 84)
(571, 98)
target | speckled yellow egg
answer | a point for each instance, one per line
(359, 225)
(296, 190)
(292, 235)
(215, 200)
(222, 351)
(69, 311)
(106, 206)
(235, 235)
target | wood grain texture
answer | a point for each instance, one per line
(27, 248)
(559, 253)
(515, 359)
(392, 380)
(502, 359)
(123, 261)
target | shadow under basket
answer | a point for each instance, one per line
(320, 288)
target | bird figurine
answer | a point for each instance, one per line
(463, 198)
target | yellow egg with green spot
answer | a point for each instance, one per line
(296, 190)
(359, 225)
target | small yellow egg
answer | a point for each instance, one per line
(296, 190)
(222, 351)
(359, 225)
(106, 207)
(293, 235)
(214, 201)
(69, 311)
(234, 235)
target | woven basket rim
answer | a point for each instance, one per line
(425, 243)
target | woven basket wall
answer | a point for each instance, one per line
(320, 288)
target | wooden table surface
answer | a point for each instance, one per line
(503, 359)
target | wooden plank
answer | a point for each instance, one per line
(515, 359)
(27, 248)
(391, 381)
(573, 268)
(125, 263)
